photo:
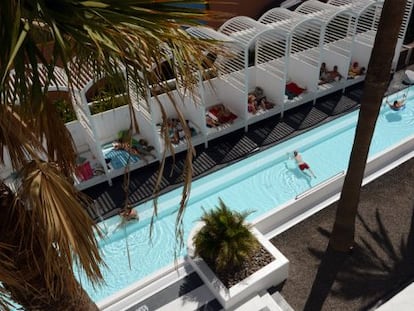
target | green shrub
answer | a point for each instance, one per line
(225, 240)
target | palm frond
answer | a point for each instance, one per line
(131, 37)
(63, 228)
(225, 240)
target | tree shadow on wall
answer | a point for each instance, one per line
(374, 270)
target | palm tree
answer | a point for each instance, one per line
(376, 84)
(225, 241)
(44, 229)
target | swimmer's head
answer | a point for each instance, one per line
(395, 102)
(295, 153)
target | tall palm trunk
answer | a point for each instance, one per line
(376, 84)
(35, 293)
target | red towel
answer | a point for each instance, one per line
(84, 171)
(294, 88)
(228, 117)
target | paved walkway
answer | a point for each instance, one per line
(381, 263)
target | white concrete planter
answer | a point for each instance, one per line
(272, 274)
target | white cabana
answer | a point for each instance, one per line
(168, 101)
(193, 114)
(259, 100)
(262, 98)
(223, 98)
(90, 171)
(92, 157)
(105, 128)
(338, 38)
(303, 41)
(368, 14)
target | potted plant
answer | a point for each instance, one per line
(232, 257)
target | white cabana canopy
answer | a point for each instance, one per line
(338, 35)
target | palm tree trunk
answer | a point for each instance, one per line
(376, 83)
(36, 292)
(39, 300)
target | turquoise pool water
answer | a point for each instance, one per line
(261, 182)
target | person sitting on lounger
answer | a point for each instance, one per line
(355, 70)
(331, 76)
(224, 115)
(397, 104)
(323, 71)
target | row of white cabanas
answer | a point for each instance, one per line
(289, 46)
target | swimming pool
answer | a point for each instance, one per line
(261, 183)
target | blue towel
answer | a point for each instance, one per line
(119, 158)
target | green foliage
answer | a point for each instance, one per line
(65, 109)
(225, 240)
(108, 103)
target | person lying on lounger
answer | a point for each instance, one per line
(397, 104)
(137, 150)
(253, 104)
(212, 122)
(223, 114)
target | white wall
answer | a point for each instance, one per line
(273, 86)
(303, 74)
(110, 122)
(233, 98)
(192, 111)
(78, 135)
(361, 53)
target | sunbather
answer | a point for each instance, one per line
(136, 150)
(355, 70)
(254, 104)
(331, 76)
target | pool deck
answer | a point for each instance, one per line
(319, 279)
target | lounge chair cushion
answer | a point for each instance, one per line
(229, 117)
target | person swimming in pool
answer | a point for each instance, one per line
(129, 214)
(397, 104)
(302, 164)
